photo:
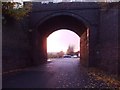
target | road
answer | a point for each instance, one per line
(57, 73)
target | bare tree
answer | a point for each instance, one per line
(70, 50)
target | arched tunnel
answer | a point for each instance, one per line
(44, 29)
(26, 44)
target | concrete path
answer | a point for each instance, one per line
(58, 73)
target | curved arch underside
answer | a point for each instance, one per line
(56, 23)
(62, 22)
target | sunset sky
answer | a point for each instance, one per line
(61, 39)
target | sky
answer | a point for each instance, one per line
(61, 39)
(64, 0)
(74, 0)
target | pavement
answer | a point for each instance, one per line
(56, 73)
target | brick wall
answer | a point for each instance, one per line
(109, 39)
(15, 46)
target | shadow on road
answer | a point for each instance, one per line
(57, 73)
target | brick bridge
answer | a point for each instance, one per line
(95, 23)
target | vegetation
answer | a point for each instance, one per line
(109, 79)
(70, 50)
(56, 55)
(15, 10)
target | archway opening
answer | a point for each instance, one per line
(63, 43)
(53, 23)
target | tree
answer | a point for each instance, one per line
(60, 54)
(70, 50)
(77, 53)
(15, 10)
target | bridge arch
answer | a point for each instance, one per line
(61, 13)
(60, 21)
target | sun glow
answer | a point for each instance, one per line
(61, 39)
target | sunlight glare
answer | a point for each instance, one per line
(61, 39)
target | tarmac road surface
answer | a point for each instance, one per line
(57, 73)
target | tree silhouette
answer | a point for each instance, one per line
(70, 50)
